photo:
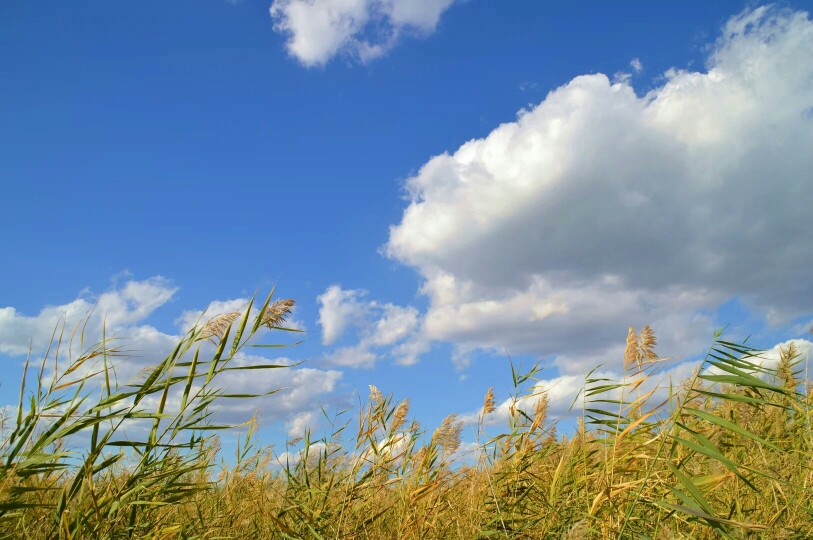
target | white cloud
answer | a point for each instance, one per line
(410, 351)
(318, 30)
(340, 309)
(395, 324)
(636, 65)
(302, 422)
(565, 398)
(301, 391)
(117, 308)
(804, 348)
(600, 208)
(380, 326)
(358, 356)
(192, 317)
(126, 311)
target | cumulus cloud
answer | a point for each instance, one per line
(124, 312)
(380, 326)
(296, 403)
(340, 309)
(770, 358)
(302, 422)
(319, 30)
(600, 208)
(116, 308)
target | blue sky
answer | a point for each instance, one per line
(164, 156)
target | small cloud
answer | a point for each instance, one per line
(319, 30)
(636, 65)
(302, 422)
(340, 309)
(622, 77)
(528, 86)
(380, 326)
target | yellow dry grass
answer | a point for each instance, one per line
(726, 454)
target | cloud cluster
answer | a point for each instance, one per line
(600, 208)
(381, 327)
(319, 30)
(128, 305)
(124, 311)
(564, 391)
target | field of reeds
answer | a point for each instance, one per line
(724, 454)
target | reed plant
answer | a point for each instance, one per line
(724, 454)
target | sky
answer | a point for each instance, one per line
(441, 185)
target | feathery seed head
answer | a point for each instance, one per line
(375, 395)
(277, 312)
(788, 353)
(399, 416)
(488, 402)
(216, 327)
(631, 351)
(447, 436)
(540, 412)
(647, 344)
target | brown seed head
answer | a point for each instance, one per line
(488, 402)
(540, 412)
(375, 395)
(216, 327)
(788, 353)
(277, 312)
(447, 436)
(399, 416)
(631, 351)
(647, 344)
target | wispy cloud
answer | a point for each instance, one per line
(381, 328)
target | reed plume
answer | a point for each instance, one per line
(399, 416)
(277, 313)
(447, 436)
(647, 345)
(697, 465)
(488, 402)
(214, 330)
(631, 351)
(540, 412)
(376, 396)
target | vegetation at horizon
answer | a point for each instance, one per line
(726, 453)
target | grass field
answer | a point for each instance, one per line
(725, 454)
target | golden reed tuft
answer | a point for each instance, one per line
(399, 416)
(277, 313)
(216, 327)
(488, 402)
(631, 350)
